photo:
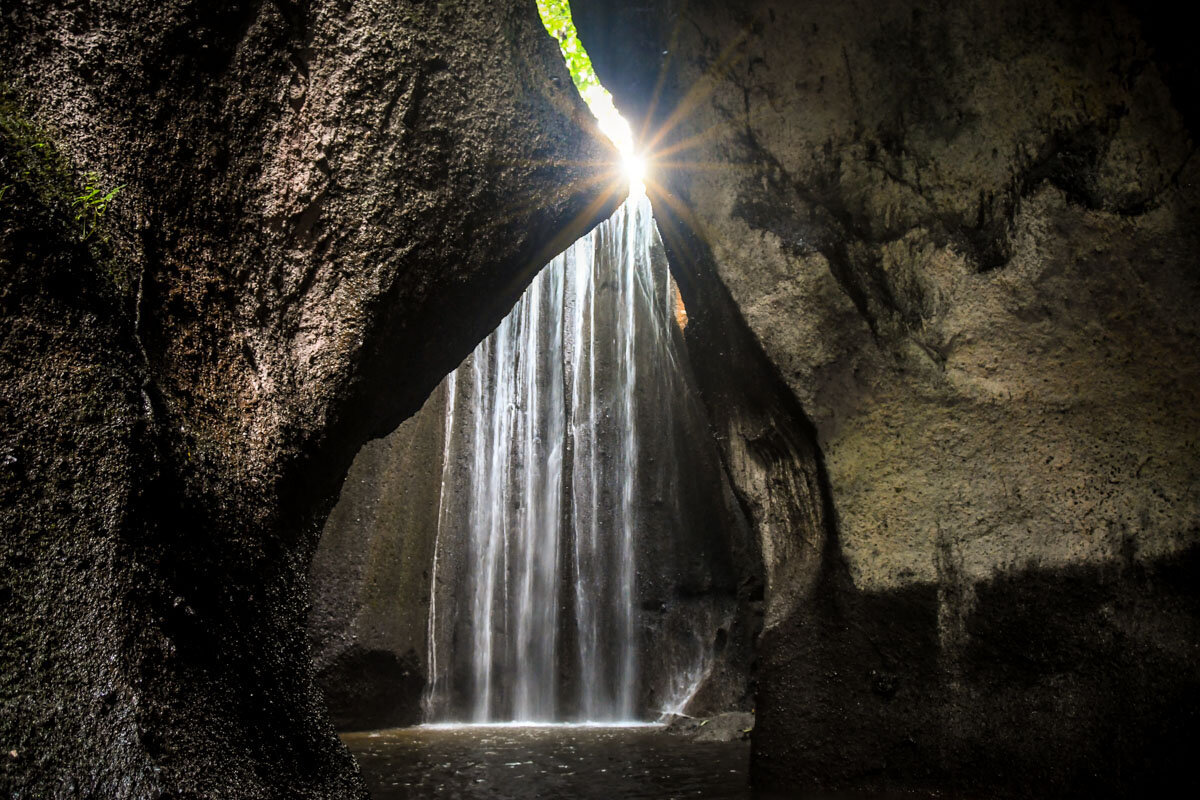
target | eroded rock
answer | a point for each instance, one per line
(325, 206)
(964, 240)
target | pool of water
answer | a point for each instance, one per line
(547, 762)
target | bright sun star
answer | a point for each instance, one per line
(557, 17)
(634, 166)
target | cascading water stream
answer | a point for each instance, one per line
(543, 428)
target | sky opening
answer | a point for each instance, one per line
(556, 16)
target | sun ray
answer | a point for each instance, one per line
(699, 91)
(640, 159)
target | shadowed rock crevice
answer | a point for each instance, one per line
(373, 689)
(767, 445)
(370, 576)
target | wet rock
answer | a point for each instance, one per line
(369, 580)
(957, 247)
(325, 207)
(728, 727)
(372, 689)
(731, 726)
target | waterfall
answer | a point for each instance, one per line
(534, 610)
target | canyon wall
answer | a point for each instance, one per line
(957, 246)
(370, 576)
(323, 206)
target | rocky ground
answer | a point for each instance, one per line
(731, 726)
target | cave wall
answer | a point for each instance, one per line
(699, 581)
(325, 205)
(957, 243)
(370, 577)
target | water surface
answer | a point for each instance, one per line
(547, 762)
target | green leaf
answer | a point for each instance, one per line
(556, 16)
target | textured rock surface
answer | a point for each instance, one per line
(728, 727)
(964, 238)
(370, 577)
(326, 205)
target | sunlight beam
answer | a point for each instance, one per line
(556, 16)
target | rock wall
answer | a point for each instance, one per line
(325, 205)
(370, 576)
(961, 239)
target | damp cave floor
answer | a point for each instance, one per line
(548, 763)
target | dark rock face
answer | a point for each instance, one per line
(370, 577)
(326, 205)
(962, 241)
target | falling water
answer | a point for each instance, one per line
(541, 431)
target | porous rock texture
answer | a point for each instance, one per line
(957, 243)
(325, 206)
(370, 576)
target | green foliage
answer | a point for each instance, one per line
(556, 16)
(91, 205)
(28, 157)
(36, 178)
